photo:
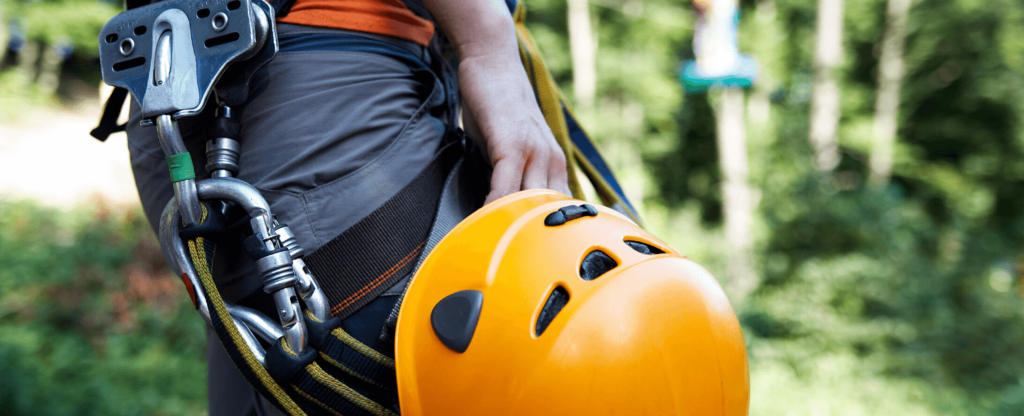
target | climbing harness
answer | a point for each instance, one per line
(171, 57)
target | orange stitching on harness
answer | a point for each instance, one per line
(379, 280)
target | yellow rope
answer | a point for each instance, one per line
(195, 248)
(325, 379)
(362, 348)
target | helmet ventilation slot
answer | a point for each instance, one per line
(556, 301)
(644, 248)
(595, 264)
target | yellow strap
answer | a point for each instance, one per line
(546, 90)
(551, 102)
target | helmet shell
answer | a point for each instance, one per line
(654, 335)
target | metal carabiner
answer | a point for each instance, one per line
(246, 321)
(275, 268)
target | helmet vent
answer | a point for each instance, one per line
(595, 264)
(556, 301)
(644, 248)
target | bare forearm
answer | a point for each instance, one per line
(491, 75)
(476, 27)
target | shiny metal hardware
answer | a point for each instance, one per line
(268, 330)
(250, 341)
(246, 320)
(178, 255)
(219, 22)
(205, 38)
(222, 157)
(275, 269)
(184, 191)
(236, 88)
(170, 58)
(222, 152)
(312, 296)
(127, 47)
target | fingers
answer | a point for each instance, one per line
(529, 167)
(536, 173)
(558, 178)
(506, 177)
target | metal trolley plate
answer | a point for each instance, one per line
(204, 38)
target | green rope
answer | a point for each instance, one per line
(181, 167)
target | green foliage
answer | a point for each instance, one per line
(91, 323)
(52, 21)
(896, 300)
(903, 299)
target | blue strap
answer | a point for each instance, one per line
(589, 151)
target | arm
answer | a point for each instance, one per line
(499, 97)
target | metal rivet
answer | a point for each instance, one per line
(127, 47)
(219, 22)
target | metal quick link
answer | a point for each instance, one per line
(279, 281)
(276, 270)
(222, 157)
(306, 284)
(223, 150)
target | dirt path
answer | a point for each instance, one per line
(47, 155)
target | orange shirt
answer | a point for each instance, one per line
(384, 17)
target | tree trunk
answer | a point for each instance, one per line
(581, 42)
(49, 70)
(765, 47)
(890, 75)
(828, 54)
(5, 35)
(27, 58)
(737, 196)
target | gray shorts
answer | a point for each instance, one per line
(327, 137)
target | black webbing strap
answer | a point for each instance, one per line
(356, 359)
(418, 8)
(380, 249)
(339, 350)
(111, 111)
(318, 387)
(315, 390)
(295, 386)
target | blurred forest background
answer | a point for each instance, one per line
(877, 265)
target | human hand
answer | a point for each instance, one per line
(500, 104)
(501, 108)
(520, 146)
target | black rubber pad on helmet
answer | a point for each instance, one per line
(644, 248)
(556, 301)
(454, 318)
(595, 264)
(569, 213)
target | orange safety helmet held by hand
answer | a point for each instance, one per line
(536, 304)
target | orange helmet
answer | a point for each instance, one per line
(540, 304)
